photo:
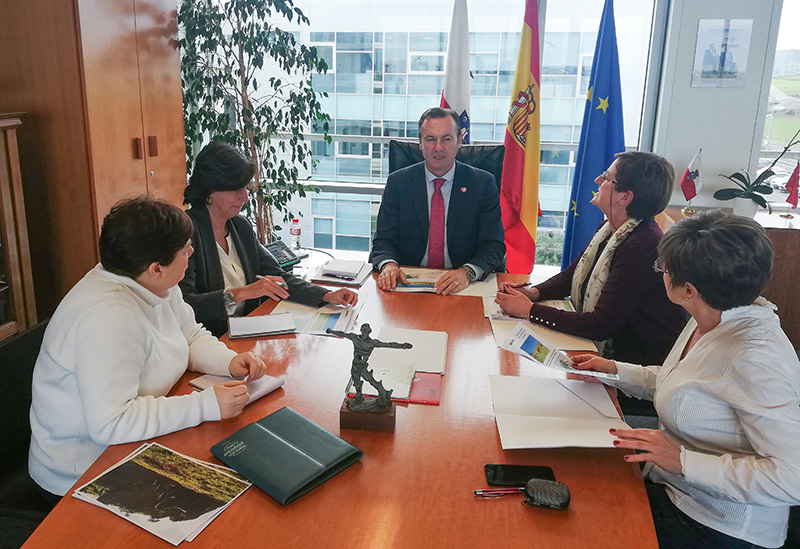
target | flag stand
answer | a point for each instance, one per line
(688, 211)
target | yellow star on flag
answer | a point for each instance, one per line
(603, 105)
(589, 94)
(594, 193)
(574, 208)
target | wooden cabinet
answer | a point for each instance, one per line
(100, 83)
(17, 302)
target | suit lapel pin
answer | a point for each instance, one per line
(463, 189)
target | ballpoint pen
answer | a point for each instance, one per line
(496, 492)
(281, 283)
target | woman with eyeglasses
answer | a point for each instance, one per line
(230, 272)
(619, 300)
(723, 465)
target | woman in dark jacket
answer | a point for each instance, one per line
(230, 272)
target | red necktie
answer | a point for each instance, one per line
(436, 235)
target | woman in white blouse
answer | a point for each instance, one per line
(724, 464)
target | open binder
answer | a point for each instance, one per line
(286, 454)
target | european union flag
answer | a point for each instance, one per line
(601, 137)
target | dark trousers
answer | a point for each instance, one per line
(676, 530)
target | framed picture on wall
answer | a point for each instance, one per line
(720, 57)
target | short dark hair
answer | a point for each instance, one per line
(439, 112)
(650, 177)
(727, 257)
(140, 231)
(218, 167)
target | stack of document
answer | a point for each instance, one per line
(528, 344)
(170, 495)
(263, 325)
(343, 272)
(256, 389)
(414, 375)
(533, 412)
(312, 320)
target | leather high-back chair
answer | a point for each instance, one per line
(484, 157)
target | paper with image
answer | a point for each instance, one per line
(312, 320)
(524, 342)
(166, 493)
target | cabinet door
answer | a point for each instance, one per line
(113, 107)
(160, 85)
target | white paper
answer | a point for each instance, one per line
(526, 343)
(536, 412)
(250, 326)
(256, 388)
(484, 288)
(427, 354)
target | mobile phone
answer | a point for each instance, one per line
(515, 475)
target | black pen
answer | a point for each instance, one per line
(340, 277)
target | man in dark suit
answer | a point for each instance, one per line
(439, 213)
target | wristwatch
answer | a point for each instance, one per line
(471, 274)
(229, 301)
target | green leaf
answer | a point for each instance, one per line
(728, 194)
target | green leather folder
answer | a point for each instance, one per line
(285, 454)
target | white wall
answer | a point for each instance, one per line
(726, 122)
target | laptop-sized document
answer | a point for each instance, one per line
(256, 389)
(328, 277)
(314, 320)
(342, 267)
(427, 354)
(419, 280)
(263, 325)
(534, 412)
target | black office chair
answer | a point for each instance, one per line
(19, 499)
(485, 157)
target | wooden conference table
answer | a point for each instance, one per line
(412, 488)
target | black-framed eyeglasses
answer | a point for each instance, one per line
(659, 267)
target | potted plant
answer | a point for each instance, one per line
(247, 82)
(752, 191)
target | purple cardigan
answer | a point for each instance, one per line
(633, 309)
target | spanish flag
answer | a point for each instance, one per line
(519, 190)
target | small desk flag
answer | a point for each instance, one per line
(455, 94)
(601, 138)
(692, 180)
(792, 185)
(519, 190)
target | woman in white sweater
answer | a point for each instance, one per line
(116, 345)
(724, 465)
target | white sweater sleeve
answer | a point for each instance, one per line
(207, 354)
(112, 348)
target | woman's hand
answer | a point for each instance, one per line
(658, 447)
(344, 297)
(594, 363)
(247, 364)
(530, 293)
(273, 287)
(231, 397)
(514, 302)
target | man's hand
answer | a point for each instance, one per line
(514, 302)
(344, 297)
(390, 274)
(247, 364)
(451, 282)
(231, 398)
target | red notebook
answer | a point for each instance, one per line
(426, 388)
